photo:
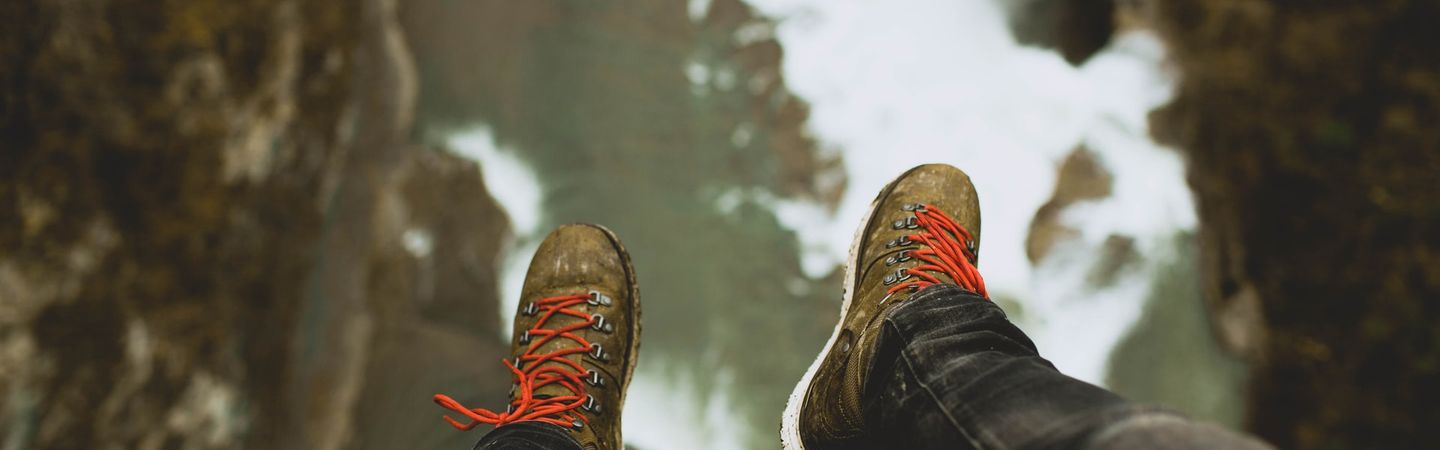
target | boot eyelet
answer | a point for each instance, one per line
(525, 337)
(906, 223)
(898, 258)
(590, 404)
(531, 309)
(600, 324)
(598, 299)
(901, 241)
(916, 207)
(593, 378)
(898, 276)
(578, 424)
(598, 352)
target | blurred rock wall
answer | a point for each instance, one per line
(214, 232)
(1077, 29)
(1310, 133)
(1309, 129)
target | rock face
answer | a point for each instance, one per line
(221, 231)
(1076, 28)
(1309, 129)
(431, 287)
(1081, 177)
(149, 287)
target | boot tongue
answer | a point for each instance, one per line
(555, 344)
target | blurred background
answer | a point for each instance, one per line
(276, 224)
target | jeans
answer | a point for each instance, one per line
(528, 436)
(951, 371)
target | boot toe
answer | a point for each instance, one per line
(576, 256)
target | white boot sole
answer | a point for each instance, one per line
(790, 420)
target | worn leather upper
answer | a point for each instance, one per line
(578, 259)
(830, 415)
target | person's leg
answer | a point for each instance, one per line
(921, 359)
(922, 230)
(951, 371)
(528, 436)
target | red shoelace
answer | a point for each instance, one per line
(533, 371)
(947, 249)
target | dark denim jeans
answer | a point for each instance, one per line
(528, 436)
(951, 371)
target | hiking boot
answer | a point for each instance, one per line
(923, 229)
(576, 338)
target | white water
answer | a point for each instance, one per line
(898, 83)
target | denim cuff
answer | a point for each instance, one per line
(530, 435)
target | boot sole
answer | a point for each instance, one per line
(790, 420)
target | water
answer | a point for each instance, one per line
(899, 83)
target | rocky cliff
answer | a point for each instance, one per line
(1309, 131)
(207, 209)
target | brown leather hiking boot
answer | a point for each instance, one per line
(576, 338)
(923, 229)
